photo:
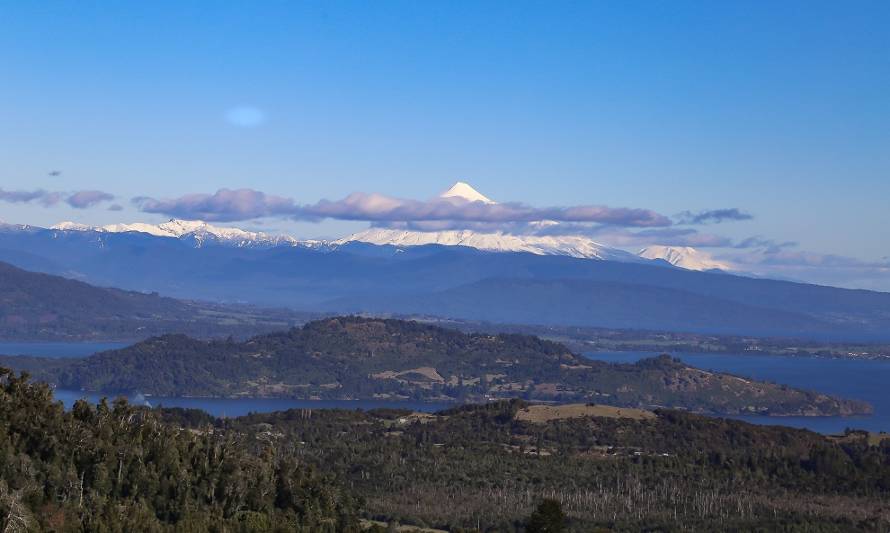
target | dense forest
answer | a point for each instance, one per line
(506, 466)
(119, 468)
(487, 466)
(358, 358)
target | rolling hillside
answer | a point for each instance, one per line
(45, 307)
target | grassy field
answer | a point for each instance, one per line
(541, 414)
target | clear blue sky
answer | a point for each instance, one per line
(781, 109)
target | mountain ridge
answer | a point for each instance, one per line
(199, 231)
(573, 245)
(37, 306)
(685, 257)
(345, 278)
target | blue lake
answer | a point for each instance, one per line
(58, 349)
(231, 407)
(866, 380)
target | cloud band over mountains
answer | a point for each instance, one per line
(85, 199)
(713, 216)
(232, 205)
(629, 227)
(78, 199)
(225, 205)
(243, 204)
(622, 227)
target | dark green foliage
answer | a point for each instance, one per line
(547, 518)
(478, 466)
(352, 357)
(120, 468)
(115, 467)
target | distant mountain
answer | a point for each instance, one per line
(200, 233)
(573, 246)
(496, 241)
(364, 358)
(453, 281)
(464, 191)
(684, 257)
(40, 306)
(195, 231)
(580, 302)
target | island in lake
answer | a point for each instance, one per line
(372, 358)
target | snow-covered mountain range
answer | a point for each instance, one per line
(684, 257)
(202, 233)
(574, 246)
(199, 231)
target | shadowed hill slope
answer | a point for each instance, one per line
(46, 307)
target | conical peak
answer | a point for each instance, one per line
(465, 191)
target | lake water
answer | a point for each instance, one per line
(58, 349)
(859, 379)
(231, 407)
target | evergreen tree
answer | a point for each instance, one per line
(547, 518)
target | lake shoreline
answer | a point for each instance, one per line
(854, 378)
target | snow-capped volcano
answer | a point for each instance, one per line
(497, 241)
(199, 231)
(464, 191)
(684, 257)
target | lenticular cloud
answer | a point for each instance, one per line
(243, 204)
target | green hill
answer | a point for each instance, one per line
(363, 358)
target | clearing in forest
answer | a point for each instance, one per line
(540, 414)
